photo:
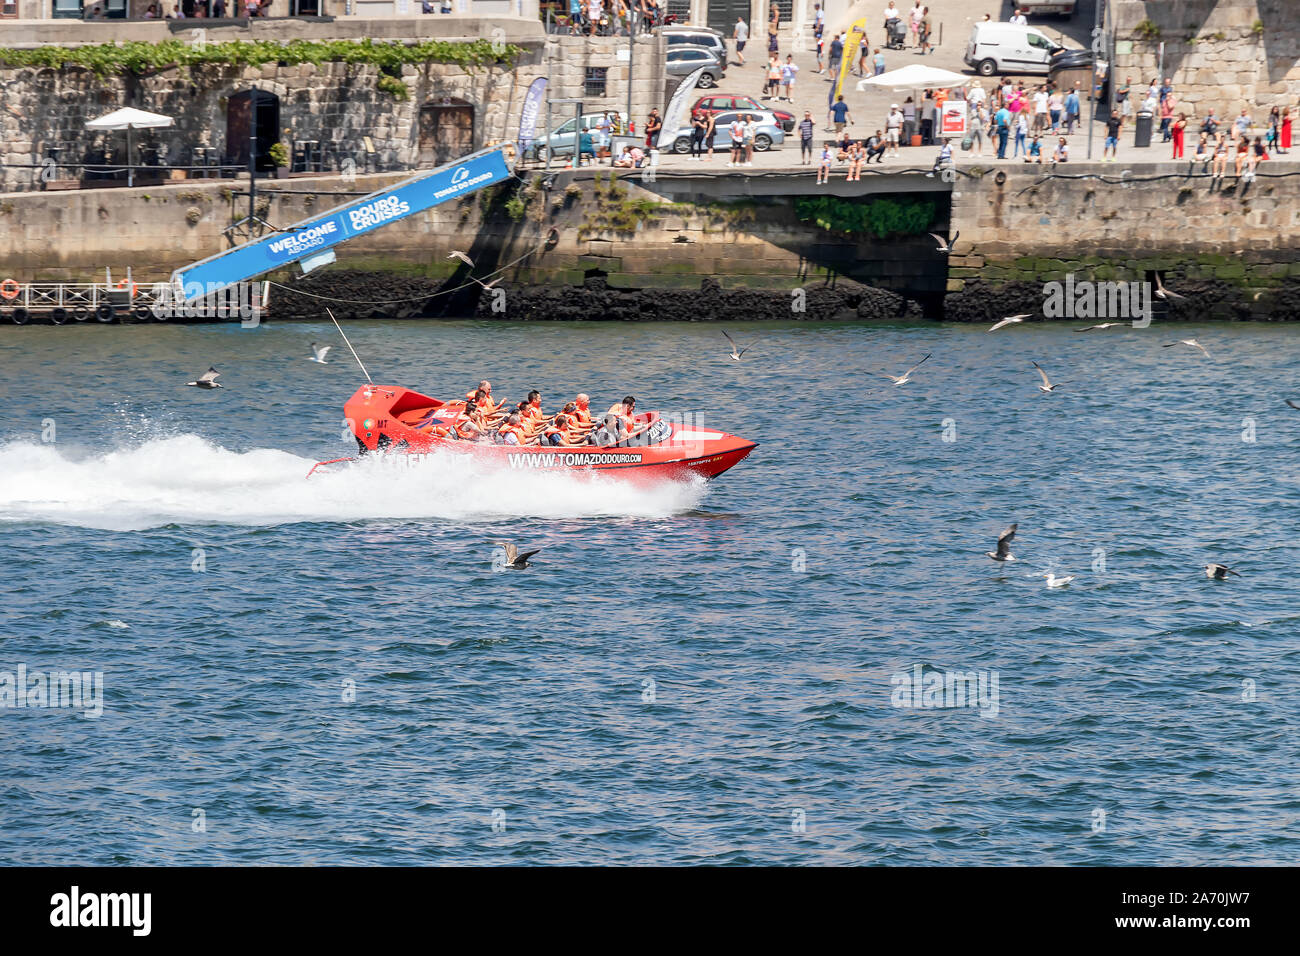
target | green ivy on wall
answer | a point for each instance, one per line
(137, 57)
(884, 216)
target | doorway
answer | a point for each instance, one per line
(446, 131)
(248, 111)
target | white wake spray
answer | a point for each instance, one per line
(188, 480)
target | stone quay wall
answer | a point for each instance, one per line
(1234, 244)
(1220, 54)
(1230, 248)
(334, 103)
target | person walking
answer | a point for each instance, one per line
(653, 125)
(1071, 110)
(788, 74)
(1113, 127)
(1166, 118)
(923, 32)
(839, 114)
(698, 127)
(837, 53)
(1002, 120)
(1022, 135)
(740, 33)
(806, 129)
(893, 129)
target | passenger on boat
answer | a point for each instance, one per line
(581, 410)
(485, 387)
(534, 406)
(556, 432)
(473, 426)
(609, 432)
(625, 410)
(512, 432)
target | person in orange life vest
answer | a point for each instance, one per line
(484, 387)
(557, 431)
(473, 426)
(512, 432)
(625, 410)
(581, 410)
(533, 407)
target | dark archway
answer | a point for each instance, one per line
(446, 131)
(252, 109)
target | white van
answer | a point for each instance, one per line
(1007, 48)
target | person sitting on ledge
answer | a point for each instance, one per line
(876, 148)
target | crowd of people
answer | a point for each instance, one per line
(613, 17)
(486, 420)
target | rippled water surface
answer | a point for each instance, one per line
(688, 674)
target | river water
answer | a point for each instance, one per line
(329, 671)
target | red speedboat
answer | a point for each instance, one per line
(394, 419)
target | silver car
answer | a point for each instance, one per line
(685, 59)
(767, 132)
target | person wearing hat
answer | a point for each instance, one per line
(893, 128)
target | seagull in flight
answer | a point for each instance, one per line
(1011, 320)
(457, 254)
(514, 560)
(1192, 342)
(907, 376)
(1103, 325)
(736, 351)
(1054, 582)
(1047, 386)
(1219, 571)
(945, 245)
(318, 354)
(1003, 553)
(208, 379)
(1164, 293)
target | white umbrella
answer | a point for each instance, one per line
(129, 118)
(915, 77)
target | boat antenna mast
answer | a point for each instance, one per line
(349, 344)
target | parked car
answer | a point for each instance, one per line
(685, 59)
(563, 138)
(723, 102)
(767, 132)
(1008, 48)
(697, 36)
(1040, 7)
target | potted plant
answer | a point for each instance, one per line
(279, 155)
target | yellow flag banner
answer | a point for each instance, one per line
(857, 33)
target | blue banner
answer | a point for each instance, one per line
(528, 115)
(342, 223)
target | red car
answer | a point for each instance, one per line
(724, 103)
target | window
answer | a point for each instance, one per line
(8, 8)
(593, 85)
(1036, 40)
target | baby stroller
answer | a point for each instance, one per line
(896, 34)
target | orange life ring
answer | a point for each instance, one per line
(10, 289)
(123, 285)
